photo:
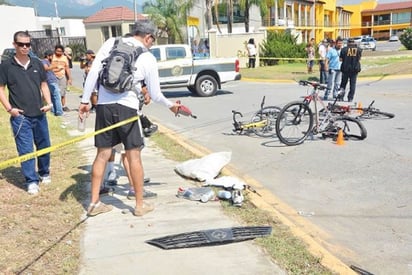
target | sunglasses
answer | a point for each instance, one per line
(21, 44)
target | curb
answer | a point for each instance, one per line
(269, 202)
(400, 76)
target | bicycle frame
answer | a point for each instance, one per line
(320, 125)
(241, 126)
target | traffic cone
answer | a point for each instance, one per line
(340, 140)
(360, 108)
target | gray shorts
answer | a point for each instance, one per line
(62, 85)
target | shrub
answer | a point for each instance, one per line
(406, 38)
(281, 45)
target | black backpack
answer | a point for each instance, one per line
(116, 74)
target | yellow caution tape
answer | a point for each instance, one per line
(43, 151)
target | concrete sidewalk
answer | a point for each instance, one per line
(114, 242)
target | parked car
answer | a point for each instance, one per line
(393, 38)
(10, 52)
(368, 43)
(358, 39)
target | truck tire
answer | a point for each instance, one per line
(192, 89)
(206, 85)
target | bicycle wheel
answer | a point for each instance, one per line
(294, 123)
(373, 114)
(270, 114)
(352, 128)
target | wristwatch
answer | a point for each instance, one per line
(50, 104)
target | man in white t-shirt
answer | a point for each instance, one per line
(322, 50)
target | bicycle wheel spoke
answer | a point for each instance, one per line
(269, 115)
(294, 123)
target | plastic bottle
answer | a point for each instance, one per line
(81, 123)
(207, 196)
(223, 194)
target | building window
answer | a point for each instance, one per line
(116, 30)
(382, 19)
(238, 14)
(105, 32)
(402, 17)
(62, 31)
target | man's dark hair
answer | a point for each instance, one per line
(59, 47)
(21, 34)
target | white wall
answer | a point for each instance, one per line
(13, 19)
(72, 27)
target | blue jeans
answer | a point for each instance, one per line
(334, 79)
(29, 130)
(55, 95)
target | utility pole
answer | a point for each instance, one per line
(135, 10)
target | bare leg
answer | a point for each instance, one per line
(127, 168)
(136, 174)
(99, 166)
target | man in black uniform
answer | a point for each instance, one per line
(350, 57)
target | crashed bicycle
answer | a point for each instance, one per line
(262, 122)
(296, 121)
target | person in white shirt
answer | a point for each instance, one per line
(322, 50)
(251, 50)
(115, 107)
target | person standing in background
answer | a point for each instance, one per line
(322, 50)
(350, 57)
(68, 53)
(333, 64)
(85, 64)
(310, 52)
(251, 51)
(61, 69)
(27, 104)
(52, 81)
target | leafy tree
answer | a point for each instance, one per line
(262, 4)
(281, 45)
(406, 38)
(170, 16)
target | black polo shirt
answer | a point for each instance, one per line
(24, 85)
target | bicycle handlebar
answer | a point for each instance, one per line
(314, 84)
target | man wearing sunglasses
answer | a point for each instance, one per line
(115, 107)
(27, 103)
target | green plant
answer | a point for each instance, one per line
(406, 38)
(280, 45)
(78, 51)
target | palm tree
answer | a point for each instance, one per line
(262, 4)
(170, 16)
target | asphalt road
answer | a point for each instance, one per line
(357, 196)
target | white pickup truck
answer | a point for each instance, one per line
(202, 76)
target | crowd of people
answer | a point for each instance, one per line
(37, 86)
(337, 66)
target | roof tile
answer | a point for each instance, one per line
(113, 14)
(391, 6)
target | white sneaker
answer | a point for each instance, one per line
(45, 180)
(33, 188)
(237, 198)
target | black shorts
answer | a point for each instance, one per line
(129, 134)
